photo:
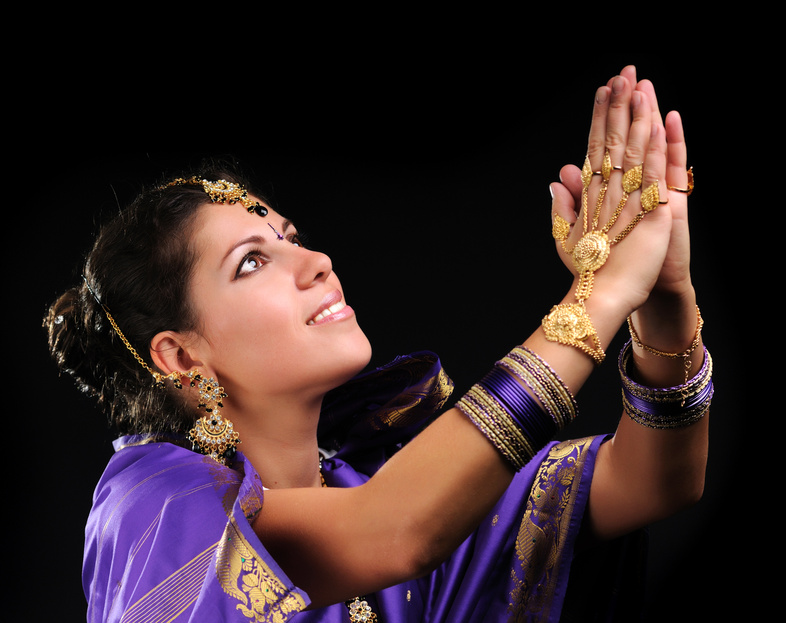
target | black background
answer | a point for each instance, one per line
(427, 183)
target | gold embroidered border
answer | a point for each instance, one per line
(245, 576)
(542, 534)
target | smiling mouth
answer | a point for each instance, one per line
(327, 312)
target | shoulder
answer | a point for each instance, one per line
(141, 482)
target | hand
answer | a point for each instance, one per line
(674, 277)
(626, 124)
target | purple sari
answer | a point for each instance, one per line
(169, 537)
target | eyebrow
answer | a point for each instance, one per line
(254, 239)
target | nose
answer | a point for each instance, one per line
(311, 267)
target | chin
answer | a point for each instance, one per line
(353, 359)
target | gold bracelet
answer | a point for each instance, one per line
(684, 355)
(570, 324)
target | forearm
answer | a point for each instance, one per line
(645, 474)
(336, 543)
(419, 507)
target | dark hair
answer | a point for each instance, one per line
(140, 269)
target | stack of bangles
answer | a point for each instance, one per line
(519, 425)
(670, 407)
(509, 416)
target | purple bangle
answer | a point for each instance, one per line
(536, 425)
(670, 407)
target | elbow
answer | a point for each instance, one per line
(694, 491)
(421, 547)
(689, 493)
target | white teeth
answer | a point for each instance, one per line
(330, 310)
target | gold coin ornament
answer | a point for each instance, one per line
(591, 252)
(568, 322)
(571, 325)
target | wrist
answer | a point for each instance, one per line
(667, 321)
(667, 346)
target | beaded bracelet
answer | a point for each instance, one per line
(509, 416)
(670, 407)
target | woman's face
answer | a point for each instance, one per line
(273, 321)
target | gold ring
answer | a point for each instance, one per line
(687, 190)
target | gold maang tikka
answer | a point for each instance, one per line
(569, 323)
(221, 191)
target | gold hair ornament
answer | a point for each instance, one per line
(221, 191)
(212, 434)
(569, 323)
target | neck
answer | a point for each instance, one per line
(281, 443)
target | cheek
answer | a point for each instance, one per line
(249, 333)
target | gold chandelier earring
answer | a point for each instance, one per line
(213, 434)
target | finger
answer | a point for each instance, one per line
(655, 164)
(618, 120)
(597, 137)
(570, 176)
(629, 73)
(564, 214)
(563, 203)
(639, 133)
(646, 87)
(677, 152)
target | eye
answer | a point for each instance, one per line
(299, 239)
(252, 261)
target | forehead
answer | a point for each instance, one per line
(221, 226)
(227, 217)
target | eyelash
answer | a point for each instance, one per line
(296, 239)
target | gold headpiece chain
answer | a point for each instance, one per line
(212, 434)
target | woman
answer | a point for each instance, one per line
(347, 494)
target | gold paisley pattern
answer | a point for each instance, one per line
(245, 576)
(541, 538)
(407, 408)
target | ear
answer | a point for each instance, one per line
(174, 352)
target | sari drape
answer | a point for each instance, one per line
(169, 536)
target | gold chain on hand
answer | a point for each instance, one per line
(569, 323)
